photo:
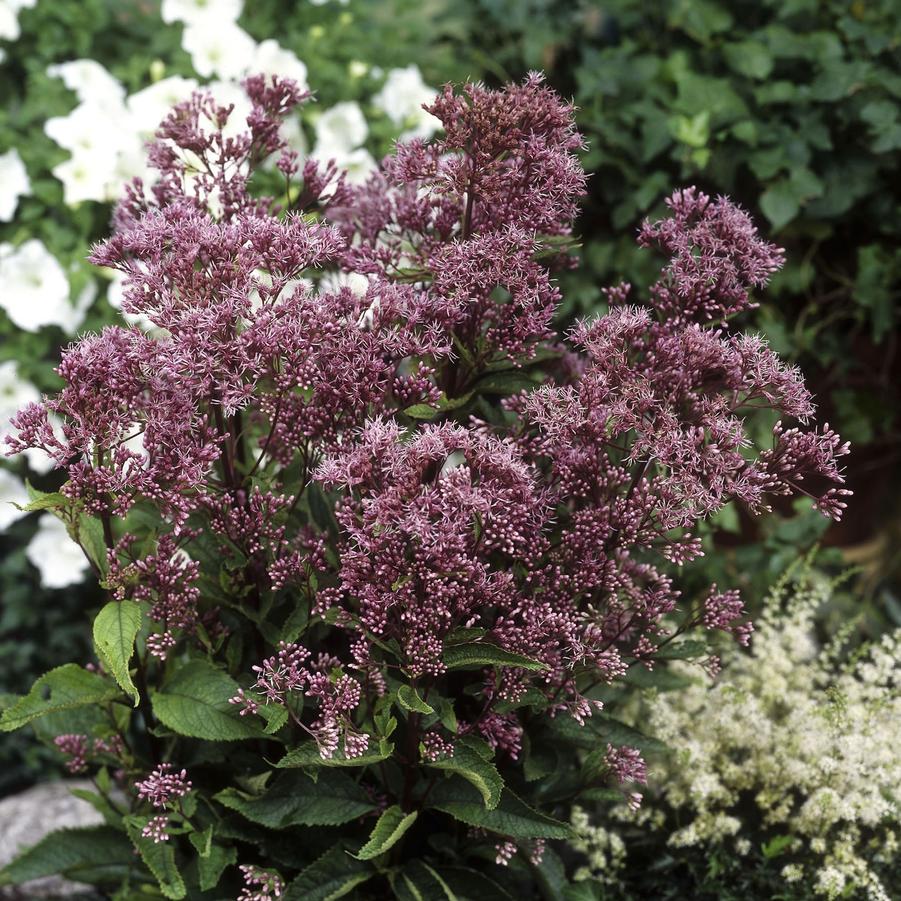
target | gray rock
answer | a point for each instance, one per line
(27, 817)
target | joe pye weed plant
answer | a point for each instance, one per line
(371, 552)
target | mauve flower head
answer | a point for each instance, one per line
(272, 416)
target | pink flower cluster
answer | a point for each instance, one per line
(260, 885)
(162, 788)
(336, 694)
(542, 525)
(79, 748)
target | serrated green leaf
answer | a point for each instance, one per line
(470, 885)
(307, 755)
(275, 715)
(115, 629)
(410, 701)
(511, 381)
(454, 403)
(447, 715)
(62, 688)
(618, 733)
(90, 854)
(332, 876)
(88, 532)
(419, 882)
(389, 829)
(476, 654)
(202, 841)
(421, 411)
(474, 769)
(43, 500)
(294, 799)
(211, 866)
(512, 817)
(683, 650)
(195, 703)
(159, 858)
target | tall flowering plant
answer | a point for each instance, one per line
(376, 538)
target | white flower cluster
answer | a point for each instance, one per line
(106, 132)
(57, 558)
(604, 849)
(813, 740)
(9, 19)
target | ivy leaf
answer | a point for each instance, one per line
(307, 755)
(474, 769)
(779, 203)
(159, 858)
(749, 58)
(387, 832)
(332, 876)
(195, 703)
(477, 654)
(512, 817)
(408, 698)
(62, 688)
(115, 629)
(294, 799)
(94, 854)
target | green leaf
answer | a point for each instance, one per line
(276, 715)
(683, 650)
(410, 700)
(694, 131)
(477, 654)
(115, 629)
(332, 876)
(447, 715)
(294, 799)
(512, 817)
(88, 532)
(470, 885)
(90, 854)
(481, 773)
(203, 841)
(62, 688)
(619, 733)
(392, 824)
(307, 755)
(776, 845)
(421, 411)
(780, 203)
(159, 858)
(511, 381)
(749, 58)
(195, 703)
(43, 500)
(211, 866)
(419, 882)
